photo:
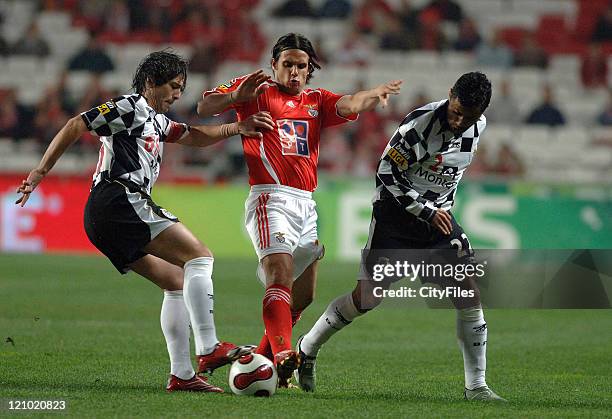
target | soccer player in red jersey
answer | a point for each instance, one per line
(280, 213)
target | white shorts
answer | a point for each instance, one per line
(282, 219)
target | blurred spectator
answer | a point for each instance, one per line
(203, 59)
(594, 67)
(320, 49)
(50, 117)
(199, 23)
(504, 108)
(32, 43)
(494, 53)
(9, 114)
(530, 54)
(335, 156)
(116, 18)
(244, 42)
(409, 16)
(91, 58)
(295, 8)
(371, 17)
(60, 89)
(603, 27)
(605, 117)
(335, 9)
(420, 98)
(446, 10)
(507, 162)
(356, 49)
(95, 95)
(547, 113)
(480, 163)
(92, 14)
(432, 36)
(468, 38)
(394, 38)
(4, 47)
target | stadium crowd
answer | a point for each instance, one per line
(222, 31)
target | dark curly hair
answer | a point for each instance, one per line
(159, 67)
(297, 41)
(473, 89)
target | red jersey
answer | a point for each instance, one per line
(287, 155)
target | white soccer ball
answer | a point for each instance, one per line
(253, 375)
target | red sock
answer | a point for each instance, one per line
(277, 317)
(264, 348)
(264, 345)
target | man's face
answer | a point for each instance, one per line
(460, 117)
(162, 97)
(291, 70)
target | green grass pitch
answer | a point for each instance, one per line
(80, 332)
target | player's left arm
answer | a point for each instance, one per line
(367, 100)
(206, 135)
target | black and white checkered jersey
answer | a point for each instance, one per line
(424, 161)
(132, 136)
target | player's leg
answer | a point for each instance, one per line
(174, 320)
(177, 245)
(471, 325)
(274, 225)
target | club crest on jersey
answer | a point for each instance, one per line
(293, 136)
(105, 107)
(280, 237)
(312, 110)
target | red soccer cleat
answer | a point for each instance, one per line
(286, 362)
(195, 383)
(223, 354)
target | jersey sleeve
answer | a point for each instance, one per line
(171, 131)
(115, 116)
(406, 148)
(227, 87)
(331, 116)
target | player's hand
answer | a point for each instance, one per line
(251, 87)
(28, 185)
(254, 124)
(442, 221)
(384, 90)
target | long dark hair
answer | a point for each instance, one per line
(159, 67)
(297, 41)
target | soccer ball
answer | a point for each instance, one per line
(253, 375)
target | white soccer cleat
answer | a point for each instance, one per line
(484, 394)
(305, 373)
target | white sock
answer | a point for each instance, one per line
(198, 291)
(472, 338)
(175, 327)
(339, 313)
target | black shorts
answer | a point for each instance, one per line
(120, 220)
(396, 235)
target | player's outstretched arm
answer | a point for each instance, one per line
(205, 135)
(71, 132)
(366, 100)
(251, 87)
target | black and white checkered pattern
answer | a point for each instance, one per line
(132, 136)
(424, 161)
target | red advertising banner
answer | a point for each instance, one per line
(51, 221)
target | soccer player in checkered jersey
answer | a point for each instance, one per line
(124, 223)
(281, 216)
(416, 180)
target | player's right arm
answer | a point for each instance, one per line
(234, 92)
(68, 135)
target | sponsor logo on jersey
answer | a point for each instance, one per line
(434, 178)
(227, 85)
(280, 237)
(105, 108)
(397, 157)
(293, 136)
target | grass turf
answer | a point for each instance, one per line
(80, 332)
